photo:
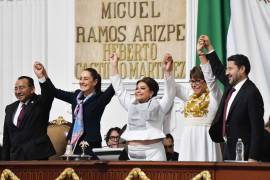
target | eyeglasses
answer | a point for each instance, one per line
(168, 147)
(114, 138)
(196, 82)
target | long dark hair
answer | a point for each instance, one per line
(96, 76)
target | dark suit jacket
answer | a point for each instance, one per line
(245, 118)
(30, 141)
(266, 147)
(172, 157)
(93, 109)
(124, 155)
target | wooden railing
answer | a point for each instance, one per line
(119, 170)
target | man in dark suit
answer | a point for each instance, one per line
(241, 110)
(26, 120)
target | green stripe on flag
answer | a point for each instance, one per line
(213, 20)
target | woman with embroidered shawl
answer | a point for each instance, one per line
(146, 112)
(200, 107)
(88, 104)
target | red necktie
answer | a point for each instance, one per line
(225, 110)
(21, 115)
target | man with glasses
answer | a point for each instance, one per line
(168, 143)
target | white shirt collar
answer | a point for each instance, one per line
(21, 103)
(239, 84)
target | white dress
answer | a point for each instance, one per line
(195, 142)
(145, 120)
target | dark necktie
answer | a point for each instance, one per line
(225, 110)
(21, 115)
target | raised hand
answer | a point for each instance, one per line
(203, 42)
(168, 63)
(207, 42)
(114, 63)
(39, 70)
(200, 46)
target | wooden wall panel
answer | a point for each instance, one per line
(115, 170)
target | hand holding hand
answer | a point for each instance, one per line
(203, 42)
(168, 63)
(39, 70)
(200, 46)
(114, 63)
(207, 42)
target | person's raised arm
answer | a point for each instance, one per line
(200, 47)
(209, 77)
(207, 43)
(43, 78)
(217, 67)
(47, 88)
(120, 91)
(114, 64)
(167, 65)
(39, 70)
(169, 84)
(181, 91)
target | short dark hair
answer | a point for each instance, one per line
(96, 76)
(169, 136)
(117, 129)
(196, 72)
(151, 83)
(241, 60)
(29, 79)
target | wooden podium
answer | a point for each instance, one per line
(114, 170)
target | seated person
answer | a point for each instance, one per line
(112, 137)
(168, 143)
(112, 140)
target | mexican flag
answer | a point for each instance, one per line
(240, 27)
